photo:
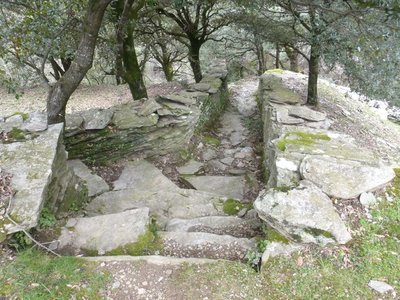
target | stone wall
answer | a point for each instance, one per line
(149, 126)
(307, 165)
(33, 153)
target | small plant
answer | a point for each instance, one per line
(253, 257)
(20, 241)
(47, 219)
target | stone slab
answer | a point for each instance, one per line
(142, 175)
(345, 179)
(95, 184)
(228, 186)
(303, 214)
(104, 233)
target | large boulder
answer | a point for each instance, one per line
(304, 214)
(40, 175)
(344, 179)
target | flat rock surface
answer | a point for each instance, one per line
(305, 214)
(243, 95)
(221, 225)
(228, 186)
(104, 233)
(164, 205)
(96, 118)
(279, 249)
(306, 113)
(142, 175)
(344, 179)
(200, 244)
(95, 184)
(191, 167)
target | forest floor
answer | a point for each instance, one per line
(335, 272)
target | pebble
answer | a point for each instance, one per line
(380, 286)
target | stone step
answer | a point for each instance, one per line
(95, 184)
(144, 176)
(228, 186)
(205, 245)
(101, 234)
(163, 205)
(152, 259)
(222, 225)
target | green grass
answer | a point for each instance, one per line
(232, 206)
(35, 275)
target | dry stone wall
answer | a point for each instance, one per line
(307, 165)
(149, 126)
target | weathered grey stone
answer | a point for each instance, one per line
(279, 249)
(148, 107)
(209, 154)
(227, 186)
(36, 122)
(136, 175)
(97, 118)
(164, 205)
(272, 89)
(40, 175)
(16, 118)
(104, 233)
(344, 179)
(217, 165)
(227, 160)
(179, 98)
(368, 199)
(237, 172)
(176, 109)
(282, 116)
(73, 122)
(200, 244)
(380, 286)
(125, 119)
(192, 167)
(306, 113)
(202, 87)
(221, 225)
(304, 214)
(95, 184)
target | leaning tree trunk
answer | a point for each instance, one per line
(313, 70)
(132, 73)
(194, 59)
(277, 56)
(61, 91)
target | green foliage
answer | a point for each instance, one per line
(20, 241)
(210, 140)
(16, 134)
(46, 219)
(300, 138)
(254, 256)
(35, 275)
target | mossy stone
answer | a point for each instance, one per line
(301, 138)
(232, 206)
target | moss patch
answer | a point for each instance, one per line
(300, 138)
(16, 134)
(147, 244)
(232, 206)
(273, 235)
(25, 116)
(210, 140)
(319, 232)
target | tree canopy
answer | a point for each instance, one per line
(57, 42)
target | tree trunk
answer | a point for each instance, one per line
(293, 58)
(313, 70)
(61, 91)
(132, 73)
(277, 56)
(260, 55)
(168, 70)
(194, 59)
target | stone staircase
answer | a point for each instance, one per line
(146, 213)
